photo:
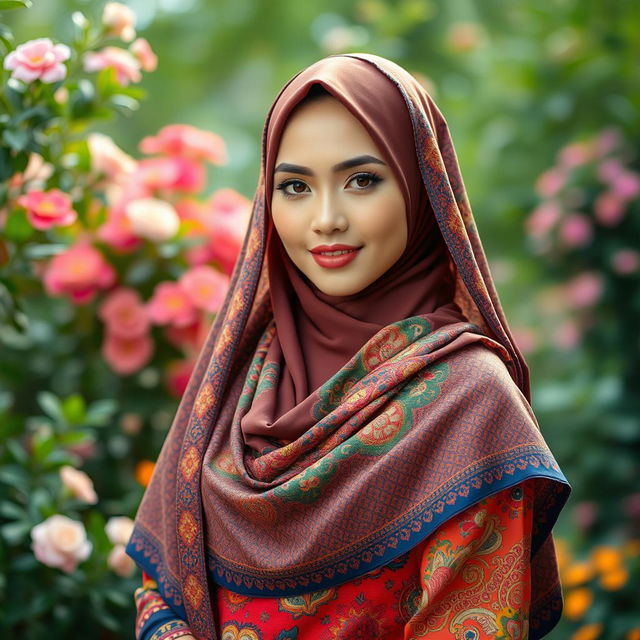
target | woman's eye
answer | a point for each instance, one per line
(297, 187)
(365, 180)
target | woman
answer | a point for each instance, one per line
(355, 455)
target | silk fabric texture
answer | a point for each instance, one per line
(284, 474)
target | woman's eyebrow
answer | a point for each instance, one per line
(341, 166)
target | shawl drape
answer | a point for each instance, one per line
(430, 415)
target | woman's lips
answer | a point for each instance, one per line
(335, 256)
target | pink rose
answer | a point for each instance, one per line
(626, 261)
(576, 154)
(172, 173)
(124, 314)
(567, 335)
(178, 375)
(142, 50)
(609, 209)
(170, 304)
(46, 209)
(38, 60)
(79, 484)
(543, 218)
(626, 185)
(117, 232)
(120, 563)
(78, 272)
(126, 356)
(107, 158)
(585, 289)
(206, 287)
(153, 219)
(119, 20)
(60, 542)
(188, 142)
(608, 170)
(126, 66)
(575, 230)
(550, 182)
(119, 529)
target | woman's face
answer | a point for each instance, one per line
(336, 203)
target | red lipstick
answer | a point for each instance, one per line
(335, 255)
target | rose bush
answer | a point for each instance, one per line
(112, 267)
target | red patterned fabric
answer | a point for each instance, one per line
(469, 580)
(424, 421)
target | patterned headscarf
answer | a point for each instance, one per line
(283, 473)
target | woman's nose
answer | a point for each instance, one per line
(327, 215)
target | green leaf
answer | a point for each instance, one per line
(17, 227)
(18, 140)
(124, 104)
(100, 412)
(15, 532)
(39, 251)
(12, 511)
(74, 409)
(43, 444)
(50, 404)
(6, 37)
(15, 4)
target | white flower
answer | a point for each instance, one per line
(79, 483)
(119, 562)
(119, 529)
(60, 542)
(153, 219)
(120, 21)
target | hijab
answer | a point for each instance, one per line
(320, 437)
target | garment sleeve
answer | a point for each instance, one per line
(155, 620)
(475, 573)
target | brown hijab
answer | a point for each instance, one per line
(318, 333)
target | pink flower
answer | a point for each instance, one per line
(567, 335)
(78, 272)
(178, 375)
(626, 185)
(188, 142)
(153, 219)
(608, 140)
(119, 529)
(35, 175)
(142, 50)
(38, 60)
(119, 20)
(225, 217)
(543, 218)
(79, 483)
(171, 173)
(60, 542)
(117, 232)
(127, 355)
(126, 66)
(170, 304)
(576, 154)
(46, 209)
(526, 339)
(550, 182)
(626, 261)
(575, 230)
(609, 209)
(584, 290)
(124, 314)
(609, 170)
(107, 158)
(120, 563)
(206, 287)
(188, 338)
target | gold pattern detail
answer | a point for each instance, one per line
(190, 463)
(188, 528)
(193, 591)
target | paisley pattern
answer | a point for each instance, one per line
(468, 581)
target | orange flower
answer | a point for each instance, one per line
(577, 574)
(614, 580)
(577, 602)
(144, 470)
(588, 632)
(633, 634)
(606, 558)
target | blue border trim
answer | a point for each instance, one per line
(405, 534)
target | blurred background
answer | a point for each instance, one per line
(542, 100)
